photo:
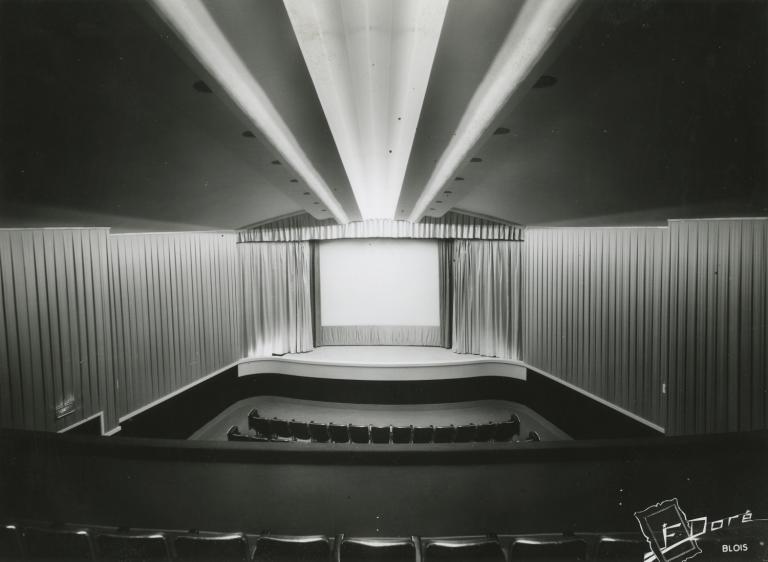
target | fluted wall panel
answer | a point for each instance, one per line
(176, 311)
(55, 336)
(718, 358)
(595, 312)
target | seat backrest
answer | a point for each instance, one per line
(281, 428)
(402, 433)
(548, 549)
(505, 431)
(444, 434)
(132, 546)
(533, 436)
(624, 549)
(359, 434)
(260, 426)
(423, 434)
(339, 433)
(300, 430)
(485, 432)
(319, 432)
(212, 547)
(464, 550)
(380, 434)
(293, 549)
(57, 544)
(465, 433)
(233, 434)
(10, 542)
(516, 422)
(378, 550)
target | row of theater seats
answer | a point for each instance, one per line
(94, 543)
(265, 429)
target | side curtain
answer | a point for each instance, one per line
(277, 297)
(445, 270)
(486, 298)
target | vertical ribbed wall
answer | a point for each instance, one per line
(116, 322)
(55, 338)
(719, 339)
(176, 311)
(596, 310)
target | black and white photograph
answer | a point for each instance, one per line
(384, 280)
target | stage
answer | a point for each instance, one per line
(383, 363)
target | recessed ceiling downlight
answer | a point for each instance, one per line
(202, 87)
(545, 82)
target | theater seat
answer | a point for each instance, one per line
(260, 426)
(423, 434)
(319, 432)
(299, 430)
(465, 433)
(359, 434)
(212, 547)
(58, 544)
(505, 431)
(485, 432)
(132, 546)
(378, 550)
(234, 435)
(402, 433)
(624, 549)
(280, 428)
(533, 436)
(339, 433)
(481, 549)
(554, 550)
(10, 542)
(275, 548)
(444, 434)
(380, 434)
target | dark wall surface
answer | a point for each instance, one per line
(428, 490)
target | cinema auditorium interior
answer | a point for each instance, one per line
(384, 280)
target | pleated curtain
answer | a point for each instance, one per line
(451, 225)
(486, 298)
(277, 296)
(445, 271)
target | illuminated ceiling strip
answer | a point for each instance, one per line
(194, 24)
(370, 62)
(531, 35)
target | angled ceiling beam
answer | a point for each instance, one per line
(531, 35)
(370, 62)
(193, 23)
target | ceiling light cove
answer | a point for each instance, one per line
(194, 24)
(370, 62)
(529, 38)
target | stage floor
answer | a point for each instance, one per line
(381, 362)
(476, 411)
(370, 355)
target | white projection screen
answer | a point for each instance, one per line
(379, 292)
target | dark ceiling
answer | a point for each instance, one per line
(659, 111)
(101, 124)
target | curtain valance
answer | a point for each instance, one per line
(452, 225)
